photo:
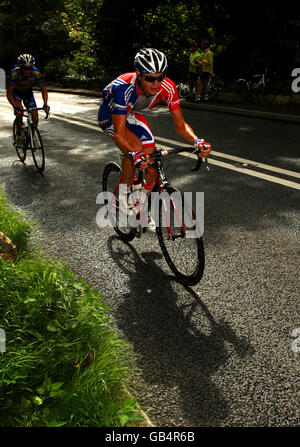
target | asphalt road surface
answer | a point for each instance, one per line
(225, 352)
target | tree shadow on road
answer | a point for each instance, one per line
(177, 340)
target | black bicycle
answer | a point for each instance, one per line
(33, 140)
(177, 227)
(215, 86)
(257, 88)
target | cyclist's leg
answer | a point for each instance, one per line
(19, 119)
(138, 125)
(139, 137)
(29, 102)
(127, 168)
(106, 124)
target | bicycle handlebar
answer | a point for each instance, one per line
(36, 108)
(158, 153)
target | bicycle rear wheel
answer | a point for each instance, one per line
(111, 176)
(21, 150)
(183, 90)
(179, 237)
(239, 87)
(37, 149)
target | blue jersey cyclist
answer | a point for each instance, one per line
(21, 79)
(127, 98)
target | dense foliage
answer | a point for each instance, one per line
(98, 38)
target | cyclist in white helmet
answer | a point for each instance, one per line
(21, 79)
(125, 101)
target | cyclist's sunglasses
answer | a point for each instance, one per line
(153, 78)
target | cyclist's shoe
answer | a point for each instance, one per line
(205, 98)
(20, 139)
(151, 224)
(123, 204)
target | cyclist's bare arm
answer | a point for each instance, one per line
(182, 128)
(44, 93)
(185, 131)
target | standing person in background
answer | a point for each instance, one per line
(194, 68)
(207, 70)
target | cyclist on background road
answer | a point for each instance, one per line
(207, 69)
(21, 79)
(127, 98)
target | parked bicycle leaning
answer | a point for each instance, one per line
(257, 88)
(215, 86)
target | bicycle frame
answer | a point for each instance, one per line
(161, 182)
(251, 85)
(177, 228)
(28, 115)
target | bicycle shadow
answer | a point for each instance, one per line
(173, 350)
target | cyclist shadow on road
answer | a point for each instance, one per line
(178, 343)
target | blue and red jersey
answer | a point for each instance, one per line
(121, 96)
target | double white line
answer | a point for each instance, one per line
(243, 169)
(243, 165)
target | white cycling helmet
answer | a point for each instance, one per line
(26, 60)
(150, 60)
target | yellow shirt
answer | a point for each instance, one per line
(207, 61)
(195, 64)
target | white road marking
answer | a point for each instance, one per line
(243, 170)
(82, 122)
(238, 159)
(222, 164)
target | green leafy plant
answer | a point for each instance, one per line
(53, 321)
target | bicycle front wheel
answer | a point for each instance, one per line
(118, 219)
(37, 149)
(179, 237)
(21, 150)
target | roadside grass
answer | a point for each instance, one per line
(63, 364)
